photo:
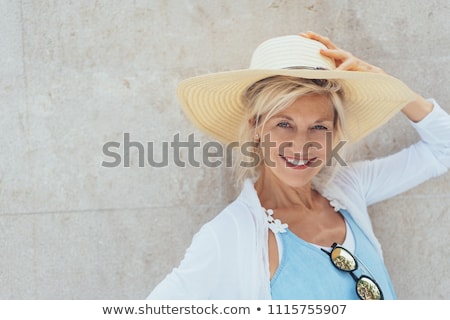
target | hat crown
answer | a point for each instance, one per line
(291, 51)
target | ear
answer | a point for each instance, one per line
(253, 125)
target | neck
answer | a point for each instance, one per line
(276, 194)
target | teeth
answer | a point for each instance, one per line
(297, 162)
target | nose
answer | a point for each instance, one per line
(303, 145)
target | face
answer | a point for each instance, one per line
(294, 141)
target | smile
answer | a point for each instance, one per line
(298, 163)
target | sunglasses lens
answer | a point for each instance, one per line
(367, 289)
(343, 259)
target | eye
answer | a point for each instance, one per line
(319, 127)
(284, 124)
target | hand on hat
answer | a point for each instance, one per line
(415, 110)
(344, 60)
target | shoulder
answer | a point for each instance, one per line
(342, 178)
(342, 187)
(236, 217)
(240, 222)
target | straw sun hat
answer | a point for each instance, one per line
(213, 102)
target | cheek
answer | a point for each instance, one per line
(315, 145)
(271, 149)
(271, 140)
(323, 141)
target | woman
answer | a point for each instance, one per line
(300, 227)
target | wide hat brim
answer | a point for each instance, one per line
(214, 102)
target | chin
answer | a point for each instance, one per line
(295, 181)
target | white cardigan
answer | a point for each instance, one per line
(228, 257)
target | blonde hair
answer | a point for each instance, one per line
(271, 96)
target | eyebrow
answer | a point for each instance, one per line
(278, 116)
(320, 120)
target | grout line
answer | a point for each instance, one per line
(107, 210)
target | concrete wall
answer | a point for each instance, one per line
(75, 75)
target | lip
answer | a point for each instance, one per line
(307, 162)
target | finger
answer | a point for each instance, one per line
(349, 65)
(355, 64)
(324, 40)
(315, 36)
(337, 54)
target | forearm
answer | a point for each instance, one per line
(385, 177)
(417, 109)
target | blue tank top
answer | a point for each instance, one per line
(305, 272)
